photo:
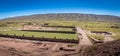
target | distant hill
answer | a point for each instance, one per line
(67, 16)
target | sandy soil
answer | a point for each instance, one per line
(108, 38)
(16, 47)
(84, 40)
(32, 27)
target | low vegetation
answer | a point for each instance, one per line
(96, 36)
(89, 26)
(41, 34)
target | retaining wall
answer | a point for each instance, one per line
(40, 38)
(59, 26)
(67, 32)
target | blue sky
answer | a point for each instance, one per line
(11, 8)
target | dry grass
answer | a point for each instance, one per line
(96, 36)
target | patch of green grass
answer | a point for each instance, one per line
(41, 34)
(64, 29)
(8, 28)
(96, 36)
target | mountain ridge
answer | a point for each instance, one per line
(67, 16)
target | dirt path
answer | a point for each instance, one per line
(54, 50)
(84, 40)
(55, 47)
(108, 38)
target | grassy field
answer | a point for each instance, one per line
(41, 34)
(11, 30)
(89, 26)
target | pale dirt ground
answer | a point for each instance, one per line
(108, 38)
(84, 40)
(16, 47)
(36, 28)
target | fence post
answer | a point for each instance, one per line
(0, 34)
(32, 36)
(55, 37)
(43, 37)
(7, 34)
(15, 36)
(23, 35)
(67, 40)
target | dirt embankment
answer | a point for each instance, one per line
(12, 47)
(16, 47)
(105, 49)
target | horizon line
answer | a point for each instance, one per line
(58, 13)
